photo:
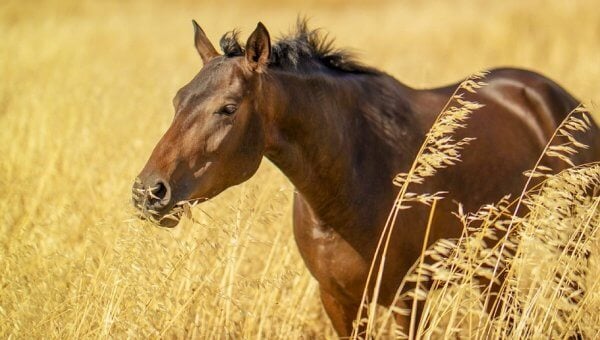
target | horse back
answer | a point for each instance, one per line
(549, 104)
(517, 99)
(521, 112)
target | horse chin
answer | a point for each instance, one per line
(171, 217)
(169, 221)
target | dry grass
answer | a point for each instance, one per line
(85, 94)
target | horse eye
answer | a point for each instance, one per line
(228, 109)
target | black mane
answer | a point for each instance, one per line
(301, 48)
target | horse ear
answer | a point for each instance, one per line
(205, 48)
(258, 48)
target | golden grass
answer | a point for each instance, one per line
(85, 94)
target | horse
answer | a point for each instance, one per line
(341, 131)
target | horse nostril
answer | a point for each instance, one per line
(160, 193)
(151, 198)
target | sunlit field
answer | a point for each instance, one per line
(85, 94)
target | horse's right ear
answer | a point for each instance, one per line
(206, 50)
(258, 48)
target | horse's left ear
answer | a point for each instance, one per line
(258, 48)
(204, 47)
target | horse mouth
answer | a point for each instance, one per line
(164, 212)
(168, 220)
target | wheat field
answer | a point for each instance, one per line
(85, 93)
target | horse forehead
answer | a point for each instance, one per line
(218, 73)
(217, 78)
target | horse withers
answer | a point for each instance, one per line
(341, 131)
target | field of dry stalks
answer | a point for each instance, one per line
(85, 93)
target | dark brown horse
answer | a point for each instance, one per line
(341, 131)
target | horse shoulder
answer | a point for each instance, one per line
(338, 267)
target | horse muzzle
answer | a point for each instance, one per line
(153, 199)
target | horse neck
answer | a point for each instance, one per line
(317, 134)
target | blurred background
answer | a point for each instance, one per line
(85, 94)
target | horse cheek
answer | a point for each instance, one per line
(216, 138)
